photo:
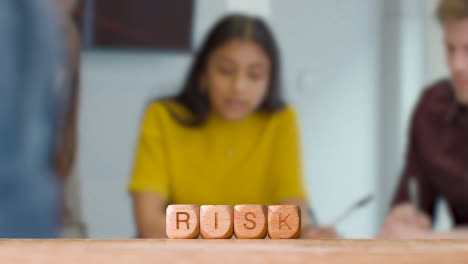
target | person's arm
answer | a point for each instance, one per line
(150, 215)
(66, 145)
(456, 233)
(405, 222)
(402, 231)
(405, 219)
(414, 170)
(149, 185)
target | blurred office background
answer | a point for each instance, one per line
(352, 68)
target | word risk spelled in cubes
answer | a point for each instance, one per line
(222, 221)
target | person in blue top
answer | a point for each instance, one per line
(29, 106)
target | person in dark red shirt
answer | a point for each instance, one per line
(437, 156)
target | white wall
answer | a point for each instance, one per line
(402, 63)
(435, 51)
(330, 53)
(115, 88)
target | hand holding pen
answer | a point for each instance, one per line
(329, 232)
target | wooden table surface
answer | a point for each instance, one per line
(233, 251)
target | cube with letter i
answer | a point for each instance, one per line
(216, 221)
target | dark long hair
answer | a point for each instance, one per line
(230, 27)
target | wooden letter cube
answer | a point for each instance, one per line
(183, 221)
(250, 221)
(284, 221)
(216, 221)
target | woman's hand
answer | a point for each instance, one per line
(150, 216)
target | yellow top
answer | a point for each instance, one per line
(254, 161)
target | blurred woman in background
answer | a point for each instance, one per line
(228, 138)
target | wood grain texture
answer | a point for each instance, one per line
(216, 221)
(183, 221)
(250, 221)
(233, 251)
(284, 221)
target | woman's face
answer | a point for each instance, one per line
(237, 79)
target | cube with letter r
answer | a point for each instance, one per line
(183, 221)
